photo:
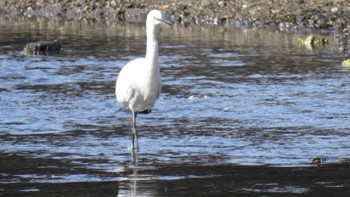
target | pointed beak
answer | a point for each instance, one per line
(168, 22)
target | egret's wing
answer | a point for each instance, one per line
(125, 87)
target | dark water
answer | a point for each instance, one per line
(242, 111)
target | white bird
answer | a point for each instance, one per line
(138, 85)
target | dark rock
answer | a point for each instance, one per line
(43, 47)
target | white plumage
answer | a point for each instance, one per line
(138, 84)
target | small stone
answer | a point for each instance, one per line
(334, 9)
(113, 3)
(29, 11)
(318, 160)
(206, 3)
(222, 4)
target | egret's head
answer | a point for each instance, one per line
(156, 17)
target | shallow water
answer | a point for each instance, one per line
(230, 97)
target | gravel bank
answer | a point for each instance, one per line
(290, 15)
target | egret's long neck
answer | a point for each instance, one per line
(152, 44)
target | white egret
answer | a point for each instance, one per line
(138, 84)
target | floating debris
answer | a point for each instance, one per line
(43, 47)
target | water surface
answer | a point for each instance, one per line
(236, 100)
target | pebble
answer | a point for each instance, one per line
(334, 9)
(206, 3)
(113, 3)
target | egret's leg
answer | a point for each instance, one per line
(135, 134)
(133, 129)
(137, 139)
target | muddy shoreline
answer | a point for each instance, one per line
(326, 16)
(293, 15)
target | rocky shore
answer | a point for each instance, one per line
(289, 15)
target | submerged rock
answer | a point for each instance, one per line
(311, 41)
(43, 47)
(318, 160)
(346, 63)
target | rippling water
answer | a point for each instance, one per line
(229, 97)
